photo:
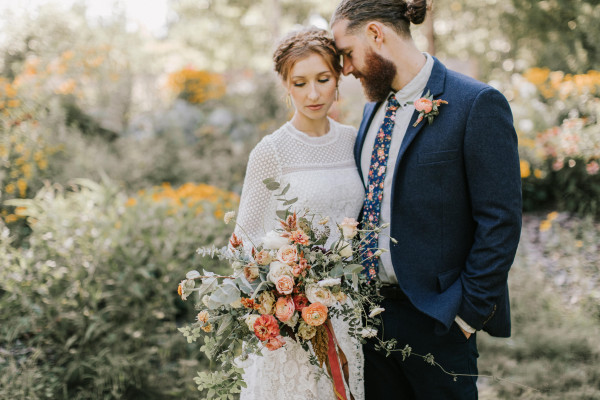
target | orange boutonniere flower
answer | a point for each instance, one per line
(427, 108)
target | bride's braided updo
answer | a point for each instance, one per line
(300, 44)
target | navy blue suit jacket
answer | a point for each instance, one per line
(456, 204)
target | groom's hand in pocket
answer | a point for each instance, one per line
(467, 334)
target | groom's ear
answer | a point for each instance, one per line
(375, 33)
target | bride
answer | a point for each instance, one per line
(314, 154)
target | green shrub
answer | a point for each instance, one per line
(89, 307)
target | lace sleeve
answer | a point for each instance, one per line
(256, 198)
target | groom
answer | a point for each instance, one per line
(450, 191)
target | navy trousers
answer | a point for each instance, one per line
(414, 379)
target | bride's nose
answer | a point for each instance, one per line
(314, 93)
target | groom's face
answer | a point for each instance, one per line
(375, 72)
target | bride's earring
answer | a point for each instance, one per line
(337, 94)
(288, 101)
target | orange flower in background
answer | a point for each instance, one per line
(249, 303)
(197, 86)
(266, 327)
(315, 314)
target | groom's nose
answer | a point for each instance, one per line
(347, 67)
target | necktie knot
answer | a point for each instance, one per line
(393, 103)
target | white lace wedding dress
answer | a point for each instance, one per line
(322, 174)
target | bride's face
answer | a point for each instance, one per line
(312, 85)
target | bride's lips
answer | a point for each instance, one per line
(315, 107)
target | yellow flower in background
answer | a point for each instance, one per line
(132, 201)
(525, 169)
(42, 164)
(10, 218)
(538, 173)
(10, 188)
(579, 244)
(552, 216)
(22, 186)
(197, 86)
(545, 225)
(537, 76)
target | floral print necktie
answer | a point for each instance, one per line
(374, 195)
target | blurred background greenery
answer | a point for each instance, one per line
(125, 129)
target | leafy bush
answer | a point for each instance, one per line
(91, 299)
(559, 121)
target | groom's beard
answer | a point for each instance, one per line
(378, 77)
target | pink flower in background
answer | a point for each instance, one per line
(558, 164)
(592, 168)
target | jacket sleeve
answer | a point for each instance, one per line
(494, 184)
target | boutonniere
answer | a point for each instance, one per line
(427, 108)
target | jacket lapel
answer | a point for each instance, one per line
(368, 114)
(435, 85)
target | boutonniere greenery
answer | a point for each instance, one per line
(427, 108)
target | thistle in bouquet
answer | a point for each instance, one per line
(288, 287)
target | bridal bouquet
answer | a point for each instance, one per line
(286, 288)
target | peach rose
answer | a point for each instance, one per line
(251, 273)
(424, 105)
(263, 257)
(285, 284)
(315, 314)
(284, 308)
(266, 327)
(300, 237)
(275, 343)
(348, 226)
(287, 254)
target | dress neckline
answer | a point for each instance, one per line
(327, 138)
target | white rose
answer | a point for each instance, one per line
(348, 226)
(376, 311)
(277, 270)
(317, 294)
(274, 241)
(293, 320)
(368, 332)
(345, 249)
(250, 320)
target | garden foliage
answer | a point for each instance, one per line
(92, 298)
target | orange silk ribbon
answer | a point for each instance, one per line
(333, 364)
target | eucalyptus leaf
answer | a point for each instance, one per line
(282, 214)
(290, 202)
(353, 269)
(337, 271)
(285, 190)
(273, 185)
(225, 323)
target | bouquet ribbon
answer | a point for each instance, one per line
(336, 361)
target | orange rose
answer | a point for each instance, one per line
(285, 284)
(251, 273)
(266, 327)
(424, 105)
(203, 316)
(315, 314)
(284, 308)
